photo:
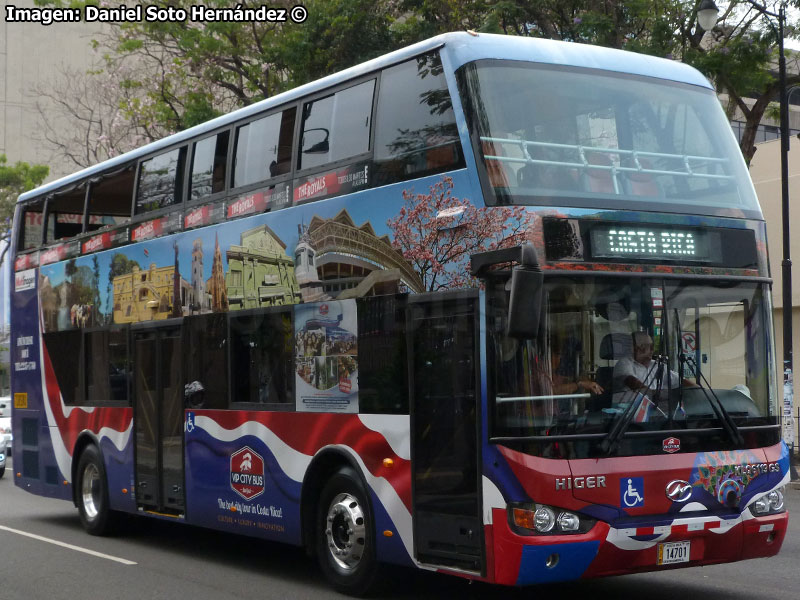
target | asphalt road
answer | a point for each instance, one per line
(173, 561)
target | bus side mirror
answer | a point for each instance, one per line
(525, 304)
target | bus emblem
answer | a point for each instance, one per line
(671, 445)
(247, 473)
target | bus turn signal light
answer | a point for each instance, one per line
(524, 518)
(388, 462)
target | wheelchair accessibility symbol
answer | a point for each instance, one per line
(631, 491)
(188, 426)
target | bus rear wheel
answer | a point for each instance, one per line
(346, 535)
(92, 494)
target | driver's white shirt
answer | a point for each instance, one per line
(647, 374)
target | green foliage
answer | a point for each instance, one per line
(14, 180)
(186, 73)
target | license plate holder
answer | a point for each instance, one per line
(671, 553)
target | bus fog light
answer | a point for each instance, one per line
(761, 506)
(568, 521)
(544, 519)
(775, 498)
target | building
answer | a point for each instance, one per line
(259, 271)
(765, 170)
(352, 261)
(148, 295)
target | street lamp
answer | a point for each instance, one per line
(707, 17)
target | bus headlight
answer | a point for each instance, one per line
(775, 498)
(568, 521)
(544, 519)
(772, 502)
(541, 519)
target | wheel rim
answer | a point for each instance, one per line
(90, 490)
(346, 531)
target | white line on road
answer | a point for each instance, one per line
(70, 546)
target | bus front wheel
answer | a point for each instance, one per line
(346, 534)
(92, 492)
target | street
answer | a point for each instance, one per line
(153, 559)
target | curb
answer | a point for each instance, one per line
(794, 485)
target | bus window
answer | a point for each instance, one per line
(160, 181)
(110, 199)
(65, 214)
(107, 372)
(32, 219)
(382, 355)
(264, 148)
(415, 130)
(208, 166)
(336, 127)
(206, 360)
(261, 358)
(64, 347)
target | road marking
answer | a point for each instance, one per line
(69, 546)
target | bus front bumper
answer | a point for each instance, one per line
(608, 550)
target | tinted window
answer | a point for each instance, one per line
(382, 355)
(264, 148)
(206, 361)
(65, 214)
(415, 131)
(110, 199)
(208, 166)
(261, 358)
(336, 127)
(63, 348)
(107, 369)
(159, 181)
(32, 221)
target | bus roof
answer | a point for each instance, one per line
(460, 47)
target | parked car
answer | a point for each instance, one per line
(2, 456)
(5, 432)
(5, 406)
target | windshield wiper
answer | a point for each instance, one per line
(621, 425)
(716, 404)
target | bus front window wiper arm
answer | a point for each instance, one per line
(716, 404)
(620, 426)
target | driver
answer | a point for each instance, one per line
(640, 374)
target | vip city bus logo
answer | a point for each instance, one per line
(247, 473)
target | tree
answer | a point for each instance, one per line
(14, 180)
(437, 233)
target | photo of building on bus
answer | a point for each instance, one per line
(444, 310)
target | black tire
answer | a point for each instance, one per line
(345, 535)
(2, 472)
(92, 494)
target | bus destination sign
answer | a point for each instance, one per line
(661, 243)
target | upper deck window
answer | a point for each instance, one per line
(264, 148)
(32, 225)
(160, 181)
(589, 138)
(110, 199)
(337, 126)
(208, 166)
(65, 214)
(415, 131)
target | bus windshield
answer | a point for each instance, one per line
(636, 142)
(660, 354)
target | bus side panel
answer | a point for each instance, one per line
(41, 465)
(244, 471)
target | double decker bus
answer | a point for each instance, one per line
(491, 306)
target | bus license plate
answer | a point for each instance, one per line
(670, 553)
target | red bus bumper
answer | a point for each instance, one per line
(606, 550)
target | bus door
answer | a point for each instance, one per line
(158, 419)
(443, 348)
